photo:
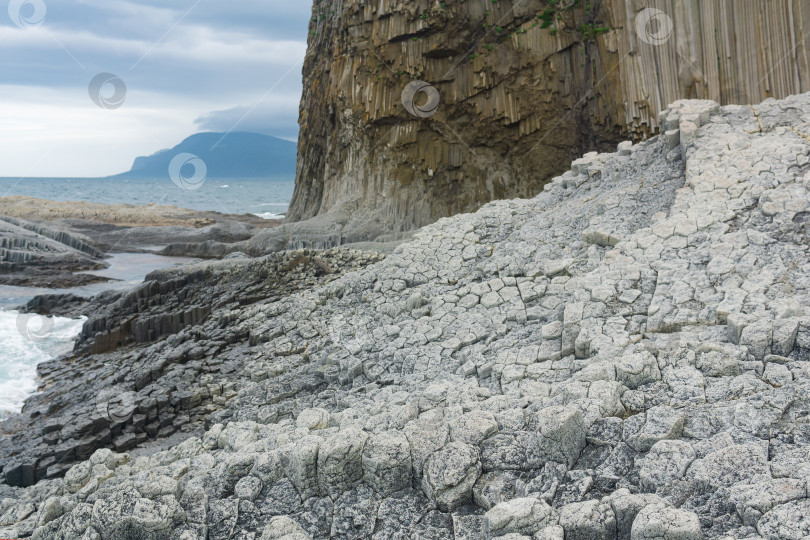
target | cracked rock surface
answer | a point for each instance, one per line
(626, 355)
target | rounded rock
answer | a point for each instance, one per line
(660, 522)
(450, 474)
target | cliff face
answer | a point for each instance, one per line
(524, 87)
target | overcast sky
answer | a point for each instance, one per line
(188, 66)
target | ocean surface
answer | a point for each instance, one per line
(267, 197)
(25, 340)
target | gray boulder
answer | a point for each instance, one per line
(637, 369)
(473, 427)
(125, 514)
(494, 487)
(387, 462)
(626, 507)
(662, 422)
(589, 520)
(666, 462)
(284, 528)
(789, 521)
(660, 522)
(300, 461)
(561, 434)
(340, 463)
(450, 474)
(522, 516)
(729, 466)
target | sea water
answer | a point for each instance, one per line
(266, 197)
(25, 341)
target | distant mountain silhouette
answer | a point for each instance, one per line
(237, 155)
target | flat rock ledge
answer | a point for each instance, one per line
(624, 356)
(36, 254)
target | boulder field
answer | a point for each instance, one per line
(624, 356)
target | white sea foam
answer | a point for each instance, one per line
(270, 215)
(21, 350)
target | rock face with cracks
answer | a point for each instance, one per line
(517, 99)
(509, 373)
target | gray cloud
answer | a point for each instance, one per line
(231, 58)
(278, 118)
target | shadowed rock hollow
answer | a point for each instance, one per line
(624, 356)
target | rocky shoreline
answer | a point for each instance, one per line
(624, 356)
(176, 384)
(50, 244)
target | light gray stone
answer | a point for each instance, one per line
(554, 532)
(590, 520)
(300, 462)
(790, 521)
(660, 522)
(777, 374)
(425, 436)
(662, 422)
(637, 370)
(317, 418)
(522, 516)
(626, 507)
(450, 475)
(666, 462)
(248, 488)
(473, 427)
(387, 462)
(127, 514)
(284, 528)
(561, 434)
(754, 500)
(495, 487)
(340, 464)
(729, 466)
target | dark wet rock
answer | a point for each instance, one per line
(44, 255)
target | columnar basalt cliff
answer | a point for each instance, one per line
(525, 87)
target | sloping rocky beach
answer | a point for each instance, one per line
(624, 356)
